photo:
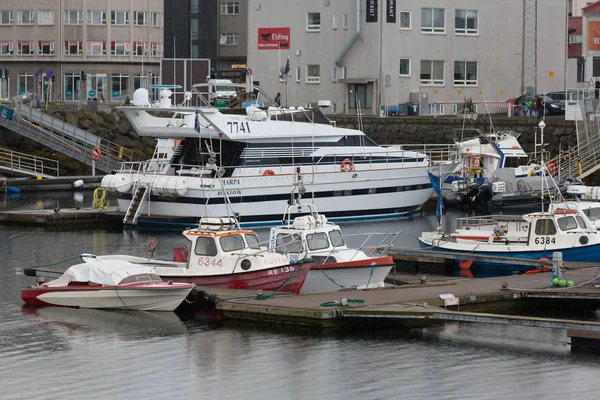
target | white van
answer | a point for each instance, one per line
(220, 89)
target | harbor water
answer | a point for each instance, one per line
(56, 353)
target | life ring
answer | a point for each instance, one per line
(96, 153)
(268, 172)
(552, 168)
(347, 165)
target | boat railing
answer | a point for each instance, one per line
(486, 220)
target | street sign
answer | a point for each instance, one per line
(49, 73)
(115, 93)
(92, 93)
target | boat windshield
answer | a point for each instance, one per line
(337, 240)
(581, 222)
(288, 243)
(567, 223)
(232, 242)
(592, 213)
(205, 246)
(141, 278)
(253, 242)
(317, 241)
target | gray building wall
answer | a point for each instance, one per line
(497, 49)
(231, 62)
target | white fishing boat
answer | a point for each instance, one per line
(260, 153)
(334, 266)
(114, 284)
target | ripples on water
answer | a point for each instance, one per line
(57, 353)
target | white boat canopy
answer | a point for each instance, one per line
(110, 272)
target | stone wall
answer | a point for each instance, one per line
(443, 129)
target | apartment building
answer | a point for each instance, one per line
(363, 54)
(45, 45)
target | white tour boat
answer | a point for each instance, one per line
(260, 153)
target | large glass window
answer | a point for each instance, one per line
(46, 48)
(6, 17)
(205, 246)
(230, 8)
(119, 87)
(433, 20)
(25, 48)
(466, 22)
(95, 48)
(432, 72)
(119, 48)
(96, 86)
(45, 17)
(6, 48)
(73, 48)
(360, 96)
(119, 17)
(317, 241)
(72, 87)
(545, 227)
(140, 81)
(26, 83)
(465, 73)
(232, 242)
(72, 17)
(96, 17)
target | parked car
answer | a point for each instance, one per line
(525, 104)
(553, 106)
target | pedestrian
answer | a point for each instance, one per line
(278, 99)
(539, 104)
(597, 86)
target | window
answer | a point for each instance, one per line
(140, 81)
(73, 48)
(6, 17)
(337, 240)
(252, 241)
(140, 48)
(288, 243)
(465, 73)
(155, 49)
(119, 48)
(155, 18)
(96, 17)
(6, 48)
(25, 48)
(298, 74)
(466, 22)
(432, 72)
(205, 246)
(230, 8)
(232, 242)
(46, 48)
(25, 83)
(25, 17)
(119, 87)
(581, 222)
(230, 39)
(95, 48)
(345, 21)
(405, 20)
(118, 18)
(436, 109)
(404, 67)
(545, 227)
(567, 223)
(45, 17)
(573, 39)
(317, 241)
(72, 17)
(580, 72)
(334, 21)
(313, 73)
(313, 22)
(433, 20)
(360, 96)
(72, 86)
(140, 18)
(338, 73)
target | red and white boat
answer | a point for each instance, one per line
(117, 285)
(334, 266)
(223, 255)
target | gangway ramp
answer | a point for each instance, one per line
(26, 164)
(66, 138)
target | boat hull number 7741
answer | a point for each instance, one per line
(237, 127)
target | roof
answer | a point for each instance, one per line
(592, 8)
(575, 28)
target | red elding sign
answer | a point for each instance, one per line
(273, 38)
(594, 35)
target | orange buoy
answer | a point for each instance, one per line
(268, 172)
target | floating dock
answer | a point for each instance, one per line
(63, 218)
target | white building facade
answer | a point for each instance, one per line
(437, 52)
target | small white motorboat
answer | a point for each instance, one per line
(114, 284)
(334, 266)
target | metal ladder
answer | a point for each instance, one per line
(133, 212)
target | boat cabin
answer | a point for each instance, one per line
(322, 239)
